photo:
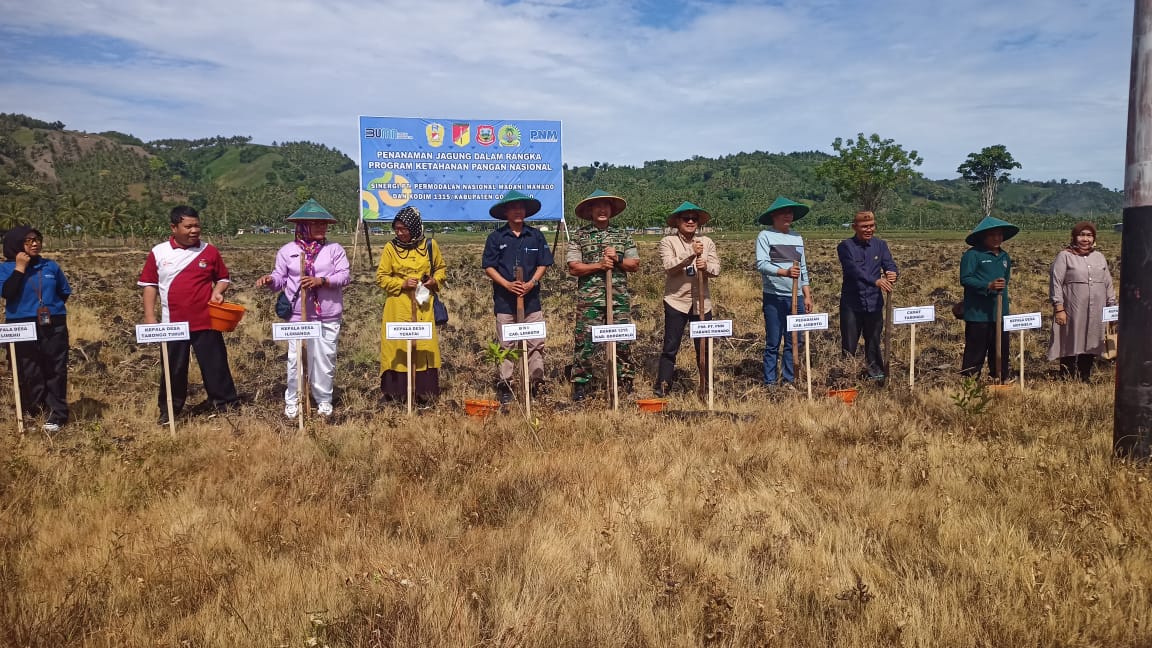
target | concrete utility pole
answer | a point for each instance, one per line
(1132, 432)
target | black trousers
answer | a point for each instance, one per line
(212, 356)
(979, 344)
(674, 323)
(1077, 366)
(43, 366)
(853, 323)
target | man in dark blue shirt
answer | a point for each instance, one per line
(516, 256)
(869, 272)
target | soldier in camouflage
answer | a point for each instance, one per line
(594, 249)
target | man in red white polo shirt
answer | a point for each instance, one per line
(187, 274)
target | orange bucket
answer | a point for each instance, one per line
(845, 395)
(224, 316)
(480, 408)
(651, 404)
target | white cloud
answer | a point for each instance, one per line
(945, 78)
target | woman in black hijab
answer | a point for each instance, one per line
(35, 290)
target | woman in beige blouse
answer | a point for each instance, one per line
(684, 254)
(1080, 287)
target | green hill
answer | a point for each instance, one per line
(113, 183)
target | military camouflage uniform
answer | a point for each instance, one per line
(587, 246)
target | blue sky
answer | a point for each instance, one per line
(631, 80)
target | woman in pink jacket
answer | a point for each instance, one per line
(321, 268)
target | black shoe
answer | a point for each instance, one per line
(539, 388)
(661, 390)
(626, 386)
(578, 392)
(504, 393)
(163, 420)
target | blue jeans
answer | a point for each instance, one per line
(776, 312)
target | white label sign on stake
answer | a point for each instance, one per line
(408, 331)
(282, 331)
(813, 322)
(614, 333)
(1111, 314)
(1022, 322)
(914, 315)
(710, 329)
(19, 332)
(524, 331)
(168, 332)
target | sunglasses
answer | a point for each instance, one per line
(690, 218)
(33, 239)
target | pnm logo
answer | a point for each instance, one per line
(435, 134)
(461, 134)
(485, 135)
(543, 136)
(509, 135)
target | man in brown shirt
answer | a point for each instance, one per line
(684, 254)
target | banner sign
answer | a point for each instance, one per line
(282, 331)
(614, 333)
(1022, 322)
(524, 331)
(168, 332)
(456, 169)
(19, 332)
(914, 315)
(710, 328)
(408, 331)
(814, 322)
(1111, 314)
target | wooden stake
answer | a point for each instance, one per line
(795, 335)
(701, 358)
(711, 375)
(167, 387)
(527, 385)
(808, 363)
(1021, 359)
(888, 305)
(611, 345)
(411, 367)
(523, 345)
(16, 387)
(302, 391)
(912, 360)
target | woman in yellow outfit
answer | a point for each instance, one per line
(404, 265)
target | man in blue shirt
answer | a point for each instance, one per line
(516, 246)
(869, 273)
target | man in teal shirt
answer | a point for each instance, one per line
(985, 270)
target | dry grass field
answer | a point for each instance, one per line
(904, 520)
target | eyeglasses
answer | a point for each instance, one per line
(33, 239)
(690, 219)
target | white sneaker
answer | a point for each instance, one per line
(324, 409)
(51, 428)
(291, 410)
